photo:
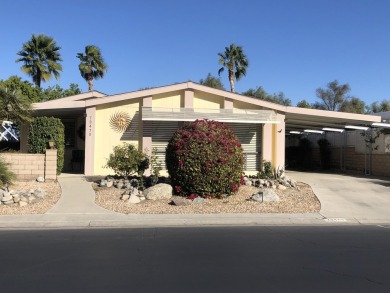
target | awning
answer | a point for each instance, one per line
(221, 115)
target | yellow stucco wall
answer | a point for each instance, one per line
(207, 101)
(105, 137)
(243, 106)
(169, 100)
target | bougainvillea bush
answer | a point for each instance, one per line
(204, 158)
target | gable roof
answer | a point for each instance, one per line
(76, 101)
(96, 98)
(297, 116)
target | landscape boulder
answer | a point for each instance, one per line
(265, 195)
(158, 191)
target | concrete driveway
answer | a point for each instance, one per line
(364, 199)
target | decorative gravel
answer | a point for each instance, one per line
(41, 206)
(292, 200)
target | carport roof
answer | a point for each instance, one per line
(301, 118)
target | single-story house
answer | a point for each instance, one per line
(96, 122)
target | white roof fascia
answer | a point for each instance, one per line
(62, 105)
(333, 114)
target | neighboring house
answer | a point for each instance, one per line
(96, 122)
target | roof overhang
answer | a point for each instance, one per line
(221, 115)
(298, 119)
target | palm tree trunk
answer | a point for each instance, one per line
(90, 83)
(231, 80)
(38, 79)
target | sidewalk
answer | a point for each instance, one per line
(76, 209)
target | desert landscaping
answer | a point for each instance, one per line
(300, 199)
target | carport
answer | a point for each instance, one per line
(301, 122)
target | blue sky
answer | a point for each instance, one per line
(293, 46)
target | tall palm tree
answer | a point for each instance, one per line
(236, 63)
(92, 65)
(14, 106)
(41, 58)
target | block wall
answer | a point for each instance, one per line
(30, 166)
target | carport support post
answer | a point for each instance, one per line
(368, 151)
(145, 130)
(280, 141)
(267, 143)
(342, 144)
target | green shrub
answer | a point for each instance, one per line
(156, 166)
(43, 128)
(204, 158)
(267, 172)
(6, 175)
(126, 160)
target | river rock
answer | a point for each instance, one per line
(181, 202)
(125, 196)
(7, 198)
(133, 199)
(198, 200)
(41, 179)
(135, 192)
(282, 187)
(284, 183)
(248, 183)
(158, 191)
(293, 183)
(22, 203)
(40, 193)
(32, 199)
(110, 183)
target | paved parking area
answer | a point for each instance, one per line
(363, 198)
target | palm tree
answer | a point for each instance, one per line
(236, 63)
(92, 65)
(40, 56)
(14, 106)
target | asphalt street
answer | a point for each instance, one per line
(335, 258)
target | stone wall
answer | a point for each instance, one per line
(30, 166)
